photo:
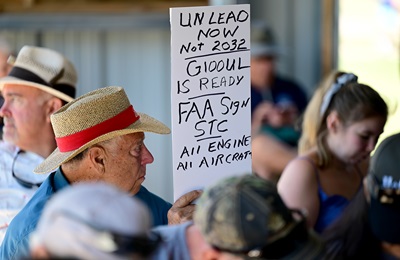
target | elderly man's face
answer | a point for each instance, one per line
(127, 157)
(25, 114)
(262, 70)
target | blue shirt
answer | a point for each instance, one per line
(174, 244)
(330, 209)
(16, 241)
(281, 91)
(158, 207)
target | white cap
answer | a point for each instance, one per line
(80, 222)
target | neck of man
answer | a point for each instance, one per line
(42, 146)
(198, 247)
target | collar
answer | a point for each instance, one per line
(60, 181)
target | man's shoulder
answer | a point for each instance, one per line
(16, 241)
(288, 89)
(26, 218)
(174, 241)
(158, 206)
(171, 231)
(286, 83)
(146, 195)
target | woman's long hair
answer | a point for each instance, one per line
(353, 102)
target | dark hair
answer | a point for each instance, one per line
(350, 236)
(79, 157)
(355, 102)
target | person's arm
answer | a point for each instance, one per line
(182, 210)
(39, 252)
(260, 115)
(298, 188)
(270, 156)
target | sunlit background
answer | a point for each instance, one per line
(369, 47)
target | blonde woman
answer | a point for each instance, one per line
(341, 126)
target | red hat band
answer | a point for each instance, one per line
(118, 122)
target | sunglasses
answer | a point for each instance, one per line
(383, 195)
(22, 182)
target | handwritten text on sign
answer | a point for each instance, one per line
(210, 51)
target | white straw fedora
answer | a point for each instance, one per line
(92, 118)
(45, 69)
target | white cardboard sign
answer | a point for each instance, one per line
(210, 94)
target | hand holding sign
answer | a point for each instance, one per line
(183, 208)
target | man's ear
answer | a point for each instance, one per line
(332, 121)
(40, 252)
(53, 105)
(97, 157)
(211, 254)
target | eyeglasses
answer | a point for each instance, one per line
(383, 195)
(23, 183)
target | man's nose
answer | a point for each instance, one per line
(147, 157)
(4, 108)
(371, 144)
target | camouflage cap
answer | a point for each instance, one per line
(384, 190)
(246, 216)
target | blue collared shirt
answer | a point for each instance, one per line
(16, 241)
(158, 207)
(14, 196)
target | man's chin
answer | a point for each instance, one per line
(9, 137)
(135, 189)
(141, 180)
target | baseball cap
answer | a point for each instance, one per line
(95, 221)
(384, 190)
(263, 42)
(244, 215)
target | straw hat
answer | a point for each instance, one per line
(45, 69)
(99, 115)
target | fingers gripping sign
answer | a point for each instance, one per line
(183, 208)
